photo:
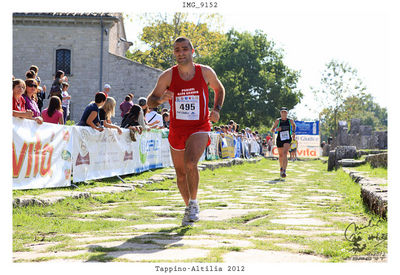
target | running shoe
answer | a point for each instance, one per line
(186, 220)
(194, 211)
(281, 173)
(284, 174)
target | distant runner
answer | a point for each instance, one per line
(293, 150)
(186, 87)
(284, 138)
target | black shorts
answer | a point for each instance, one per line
(280, 143)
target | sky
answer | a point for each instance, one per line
(310, 40)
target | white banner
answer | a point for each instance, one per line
(308, 146)
(41, 155)
(106, 154)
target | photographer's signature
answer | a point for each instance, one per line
(353, 234)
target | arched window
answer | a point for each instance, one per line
(63, 61)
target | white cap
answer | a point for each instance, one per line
(107, 86)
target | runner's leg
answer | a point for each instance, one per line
(281, 156)
(285, 150)
(195, 146)
(181, 179)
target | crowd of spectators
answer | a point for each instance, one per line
(28, 99)
(233, 129)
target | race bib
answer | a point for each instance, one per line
(285, 135)
(187, 107)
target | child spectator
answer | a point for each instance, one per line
(29, 97)
(19, 102)
(66, 98)
(56, 86)
(30, 74)
(154, 119)
(53, 113)
(134, 119)
(106, 112)
(165, 117)
(90, 116)
(41, 94)
(126, 105)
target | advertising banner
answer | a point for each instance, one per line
(227, 147)
(212, 149)
(308, 147)
(41, 155)
(307, 127)
(106, 154)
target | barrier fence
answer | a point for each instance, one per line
(48, 155)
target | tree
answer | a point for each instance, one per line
(256, 81)
(162, 30)
(339, 81)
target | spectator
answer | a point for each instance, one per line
(36, 70)
(66, 99)
(54, 112)
(41, 94)
(30, 74)
(143, 103)
(134, 119)
(19, 102)
(55, 89)
(154, 119)
(164, 110)
(126, 105)
(90, 116)
(107, 88)
(106, 112)
(29, 96)
(270, 143)
(165, 117)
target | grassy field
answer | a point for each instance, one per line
(331, 198)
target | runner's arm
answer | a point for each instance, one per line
(160, 93)
(273, 129)
(216, 85)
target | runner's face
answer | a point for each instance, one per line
(183, 52)
(283, 115)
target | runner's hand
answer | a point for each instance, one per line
(214, 116)
(167, 95)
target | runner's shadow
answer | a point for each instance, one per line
(143, 244)
(274, 181)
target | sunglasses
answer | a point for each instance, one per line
(31, 85)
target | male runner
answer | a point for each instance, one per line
(284, 138)
(186, 87)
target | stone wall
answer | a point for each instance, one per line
(378, 160)
(360, 136)
(126, 76)
(36, 39)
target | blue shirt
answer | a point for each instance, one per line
(88, 110)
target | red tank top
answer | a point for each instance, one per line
(189, 106)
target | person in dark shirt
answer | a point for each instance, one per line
(90, 116)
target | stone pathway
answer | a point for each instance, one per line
(251, 217)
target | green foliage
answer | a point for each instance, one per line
(161, 31)
(70, 122)
(257, 82)
(343, 96)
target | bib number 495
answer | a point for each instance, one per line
(187, 107)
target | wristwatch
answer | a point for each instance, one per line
(217, 107)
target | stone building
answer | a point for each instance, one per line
(89, 47)
(360, 136)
